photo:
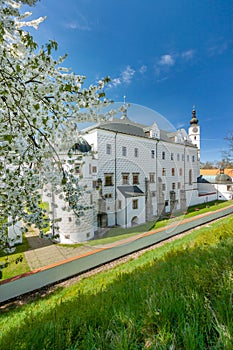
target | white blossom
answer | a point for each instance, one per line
(40, 103)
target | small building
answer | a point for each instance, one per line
(217, 183)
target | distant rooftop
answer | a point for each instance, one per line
(216, 171)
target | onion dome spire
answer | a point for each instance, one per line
(194, 120)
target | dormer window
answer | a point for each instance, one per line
(154, 132)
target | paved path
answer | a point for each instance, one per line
(43, 252)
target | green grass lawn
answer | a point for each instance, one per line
(177, 296)
(118, 233)
(113, 235)
(13, 268)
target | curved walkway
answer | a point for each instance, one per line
(44, 253)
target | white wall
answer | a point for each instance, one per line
(184, 158)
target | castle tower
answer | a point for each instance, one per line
(194, 131)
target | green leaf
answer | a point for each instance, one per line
(36, 106)
(64, 181)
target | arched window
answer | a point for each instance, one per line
(190, 177)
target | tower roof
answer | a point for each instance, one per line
(194, 120)
(81, 146)
(223, 178)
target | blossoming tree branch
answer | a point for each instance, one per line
(40, 103)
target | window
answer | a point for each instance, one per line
(125, 178)
(163, 155)
(190, 177)
(153, 194)
(188, 158)
(119, 204)
(108, 148)
(91, 198)
(193, 159)
(135, 178)
(228, 188)
(195, 137)
(94, 169)
(164, 187)
(173, 186)
(183, 157)
(90, 169)
(136, 152)
(108, 179)
(152, 153)
(166, 203)
(178, 157)
(164, 171)
(124, 151)
(70, 219)
(94, 184)
(135, 204)
(108, 195)
(179, 185)
(180, 172)
(172, 156)
(152, 177)
(173, 171)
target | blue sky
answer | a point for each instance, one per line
(166, 55)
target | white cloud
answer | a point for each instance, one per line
(166, 60)
(142, 69)
(187, 55)
(163, 65)
(127, 75)
(115, 82)
(162, 79)
(218, 49)
(81, 23)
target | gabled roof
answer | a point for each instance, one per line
(123, 127)
(128, 127)
(130, 191)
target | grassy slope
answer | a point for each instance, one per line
(113, 235)
(119, 233)
(178, 296)
(14, 269)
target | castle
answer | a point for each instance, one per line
(133, 173)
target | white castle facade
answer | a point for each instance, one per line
(143, 172)
(132, 173)
(129, 174)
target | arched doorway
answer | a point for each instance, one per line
(134, 221)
